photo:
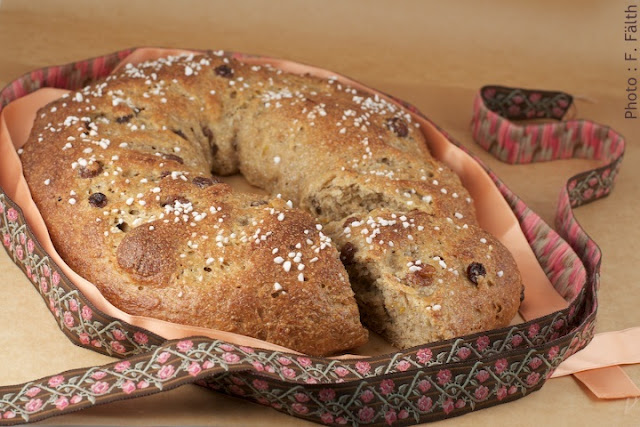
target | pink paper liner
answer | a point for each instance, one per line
(493, 213)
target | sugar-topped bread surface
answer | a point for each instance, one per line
(126, 175)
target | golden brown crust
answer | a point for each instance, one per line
(121, 172)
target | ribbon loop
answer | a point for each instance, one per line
(493, 128)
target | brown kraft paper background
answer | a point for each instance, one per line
(433, 56)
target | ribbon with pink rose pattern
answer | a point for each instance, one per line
(495, 109)
(421, 384)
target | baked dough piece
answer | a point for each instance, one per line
(125, 188)
(121, 171)
(424, 278)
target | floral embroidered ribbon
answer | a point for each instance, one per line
(495, 109)
(421, 384)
